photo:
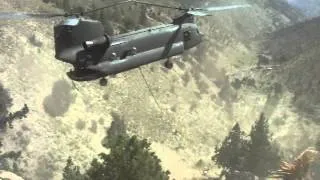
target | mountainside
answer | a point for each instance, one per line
(198, 100)
(295, 50)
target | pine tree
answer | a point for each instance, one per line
(116, 130)
(95, 15)
(5, 104)
(72, 172)
(106, 23)
(143, 16)
(262, 156)
(130, 158)
(8, 161)
(5, 101)
(231, 154)
(59, 3)
(67, 5)
(317, 144)
(117, 15)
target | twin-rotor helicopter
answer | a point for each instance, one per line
(83, 43)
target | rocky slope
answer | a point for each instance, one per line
(295, 50)
(198, 101)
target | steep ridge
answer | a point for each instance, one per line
(296, 49)
(290, 42)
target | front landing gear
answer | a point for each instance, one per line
(103, 82)
(168, 64)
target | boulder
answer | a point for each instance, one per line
(6, 175)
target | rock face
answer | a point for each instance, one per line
(6, 175)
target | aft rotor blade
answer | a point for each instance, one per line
(207, 11)
(22, 15)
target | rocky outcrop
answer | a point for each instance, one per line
(6, 175)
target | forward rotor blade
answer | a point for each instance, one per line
(22, 15)
(134, 2)
(207, 11)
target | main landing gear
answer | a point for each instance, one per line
(103, 82)
(168, 64)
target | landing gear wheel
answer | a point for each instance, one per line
(168, 64)
(103, 82)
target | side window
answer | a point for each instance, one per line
(186, 35)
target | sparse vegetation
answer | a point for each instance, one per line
(174, 108)
(93, 127)
(186, 78)
(181, 64)
(8, 119)
(35, 41)
(80, 124)
(72, 172)
(9, 160)
(203, 87)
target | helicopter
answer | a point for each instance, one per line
(83, 43)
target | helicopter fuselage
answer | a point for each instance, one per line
(94, 54)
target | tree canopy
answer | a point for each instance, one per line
(232, 152)
(262, 155)
(255, 154)
(129, 159)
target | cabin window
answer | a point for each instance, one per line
(187, 35)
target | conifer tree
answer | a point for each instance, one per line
(59, 3)
(117, 15)
(143, 15)
(5, 101)
(67, 5)
(230, 155)
(106, 23)
(72, 172)
(116, 130)
(129, 159)
(262, 156)
(95, 15)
